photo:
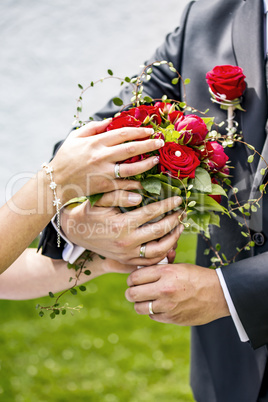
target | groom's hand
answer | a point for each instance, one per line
(107, 231)
(182, 294)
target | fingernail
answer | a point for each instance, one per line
(160, 143)
(156, 160)
(134, 198)
(149, 131)
(178, 200)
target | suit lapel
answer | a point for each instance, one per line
(247, 32)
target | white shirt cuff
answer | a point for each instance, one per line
(238, 324)
(71, 251)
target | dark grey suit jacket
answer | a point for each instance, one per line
(216, 32)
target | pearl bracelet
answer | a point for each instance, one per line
(56, 202)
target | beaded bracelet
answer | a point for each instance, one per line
(56, 202)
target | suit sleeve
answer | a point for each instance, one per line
(159, 85)
(247, 282)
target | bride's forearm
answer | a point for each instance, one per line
(24, 216)
(33, 275)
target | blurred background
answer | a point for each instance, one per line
(105, 352)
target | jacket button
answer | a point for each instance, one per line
(258, 238)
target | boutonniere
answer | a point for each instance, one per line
(226, 86)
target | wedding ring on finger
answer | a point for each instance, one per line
(117, 171)
(150, 306)
(142, 251)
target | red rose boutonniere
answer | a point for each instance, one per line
(227, 85)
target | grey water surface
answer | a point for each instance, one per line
(47, 47)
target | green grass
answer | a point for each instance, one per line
(105, 353)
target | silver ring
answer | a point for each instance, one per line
(150, 307)
(117, 171)
(142, 250)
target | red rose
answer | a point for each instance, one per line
(217, 158)
(227, 80)
(163, 106)
(193, 128)
(135, 117)
(174, 116)
(141, 112)
(178, 160)
(123, 120)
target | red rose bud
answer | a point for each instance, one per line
(193, 128)
(136, 158)
(217, 156)
(159, 135)
(227, 80)
(178, 160)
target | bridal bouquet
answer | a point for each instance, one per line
(191, 164)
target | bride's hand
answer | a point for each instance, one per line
(107, 231)
(85, 163)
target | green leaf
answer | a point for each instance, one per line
(87, 272)
(187, 81)
(127, 79)
(224, 256)
(63, 312)
(110, 72)
(41, 313)
(202, 180)
(206, 251)
(175, 81)
(51, 295)
(147, 99)
(214, 219)
(250, 158)
(191, 204)
(73, 291)
(206, 203)
(263, 172)
(152, 185)
(94, 198)
(217, 190)
(118, 101)
(80, 86)
(250, 147)
(82, 288)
